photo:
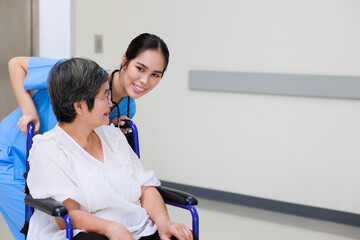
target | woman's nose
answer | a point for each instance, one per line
(144, 80)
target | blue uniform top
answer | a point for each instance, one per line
(12, 140)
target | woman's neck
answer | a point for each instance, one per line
(118, 91)
(81, 133)
(85, 137)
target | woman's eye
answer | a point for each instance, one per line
(141, 69)
(156, 75)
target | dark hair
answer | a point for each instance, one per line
(72, 81)
(147, 41)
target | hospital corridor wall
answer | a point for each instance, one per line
(14, 14)
(293, 149)
(42, 28)
(297, 150)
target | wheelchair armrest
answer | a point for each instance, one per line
(177, 196)
(48, 206)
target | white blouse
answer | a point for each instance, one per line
(61, 169)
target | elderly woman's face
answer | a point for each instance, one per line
(143, 73)
(99, 115)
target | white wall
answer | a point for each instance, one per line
(294, 149)
(54, 29)
(90, 18)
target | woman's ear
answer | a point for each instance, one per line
(124, 61)
(79, 108)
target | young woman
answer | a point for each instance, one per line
(90, 168)
(142, 67)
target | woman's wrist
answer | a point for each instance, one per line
(27, 107)
(163, 224)
(115, 230)
(107, 229)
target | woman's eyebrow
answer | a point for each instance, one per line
(144, 66)
(106, 91)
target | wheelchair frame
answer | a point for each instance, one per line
(53, 208)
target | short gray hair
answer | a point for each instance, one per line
(71, 81)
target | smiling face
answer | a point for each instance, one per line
(99, 115)
(143, 73)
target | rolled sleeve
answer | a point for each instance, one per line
(38, 73)
(50, 174)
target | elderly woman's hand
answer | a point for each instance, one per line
(25, 120)
(180, 231)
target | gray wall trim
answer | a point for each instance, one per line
(279, 84)
(272, 205)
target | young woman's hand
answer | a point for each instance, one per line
(116, 231)
(180, 231)
(25, 120)
(122, 123)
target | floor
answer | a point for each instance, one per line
(226, 221)
(4, 230)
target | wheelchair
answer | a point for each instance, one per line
(53, 208)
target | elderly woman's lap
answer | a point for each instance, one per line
(95, 236)
(90, 236)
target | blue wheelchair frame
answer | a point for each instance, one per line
(51, 207)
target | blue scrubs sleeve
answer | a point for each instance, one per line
(38, 72)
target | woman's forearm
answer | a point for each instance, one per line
(17, 71)
(83, 220)
(90, 223)
(154, 205)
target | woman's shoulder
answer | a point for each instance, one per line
(44, 146)
(109, 132)
(111, 135)
(48, 138)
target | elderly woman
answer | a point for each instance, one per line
(90, 168)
